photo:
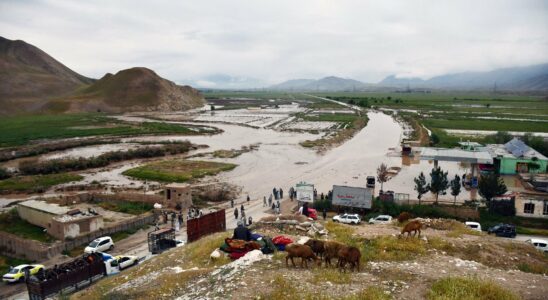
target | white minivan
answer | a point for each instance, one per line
(474, 226)
(101, 244)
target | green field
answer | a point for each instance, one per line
(36, 183)
(20, 130)
(178, 170)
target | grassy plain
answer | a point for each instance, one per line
(22, 129)
(178, 170)
(36, 183)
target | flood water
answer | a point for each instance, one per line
(281, 162)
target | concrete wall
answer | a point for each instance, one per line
(508, 165)
(34, 216)
(74, 228)
(14, 246)
(539, 207)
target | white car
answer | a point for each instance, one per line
(474, 226)
(101, 244)
(348, 219)
(540, 244)
(125, 261)
(382, 219)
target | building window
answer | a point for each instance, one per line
(545, 210)
(528, 208)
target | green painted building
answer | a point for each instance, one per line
(516, 157)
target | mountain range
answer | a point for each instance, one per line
(522, 79)
(33, 81)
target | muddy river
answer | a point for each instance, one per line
(281, 162)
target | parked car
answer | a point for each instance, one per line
(125, 261)
(18, 273)
(348, 219)
(503, 230)
(540, 244)
(101, 244)
(474, 226)
(382, 219)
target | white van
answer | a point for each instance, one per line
(474, 226)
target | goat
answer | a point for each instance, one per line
(412, 226)
(302, 251)
(331, 250)
(317, 247)
(351, 255)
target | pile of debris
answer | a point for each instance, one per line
(440, 223)
(297, 223)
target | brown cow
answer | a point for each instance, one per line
(317, 247)
(351, 255)
(412, 226)
(331, 251)
(302, 251)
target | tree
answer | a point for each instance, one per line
(421, 186)
(434, 139)
(438, 182)
(455, 187)
(382, 174)
(490, 186)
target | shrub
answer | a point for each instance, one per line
(468, 288)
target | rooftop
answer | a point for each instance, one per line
(45, 207)
(441, 154)
(498, 150)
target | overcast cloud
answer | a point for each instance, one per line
(200, 41)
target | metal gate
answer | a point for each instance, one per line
(206, 224)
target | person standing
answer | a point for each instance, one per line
(236, 213)
(281, 193)
(264, 201)
(243, 215)
(324, 213)
(241, 232)
(270, 200)
(232, 203)
(250, 220)
(248, 199)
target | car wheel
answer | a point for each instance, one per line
(21, 279)
(111, 247)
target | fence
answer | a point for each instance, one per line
(210, 223)
(14, 246)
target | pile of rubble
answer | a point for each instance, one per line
(297, 223)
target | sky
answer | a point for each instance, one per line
(242, 43)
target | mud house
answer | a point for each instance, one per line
(531, 206)
(516, 157)
(60, 222)
(178, 193)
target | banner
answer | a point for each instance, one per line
(305, 192)
(352, 196)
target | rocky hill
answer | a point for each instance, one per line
(29, 76)
(33, 81)
(135, 89)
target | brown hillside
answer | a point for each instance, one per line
(29, 76)
(135, 89)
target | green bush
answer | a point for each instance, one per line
(458, 288)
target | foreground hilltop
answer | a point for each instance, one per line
(33, 81)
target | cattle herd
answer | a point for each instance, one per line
(316, 250)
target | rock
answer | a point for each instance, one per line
(311, 233)
(292, 222)
(306, 224)
(215, 254)
(319, 226)
(323, 232)
(298, 227)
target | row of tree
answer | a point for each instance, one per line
(489, 186)
(35, 167)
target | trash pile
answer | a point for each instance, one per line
(440, 223)
(298, 224)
